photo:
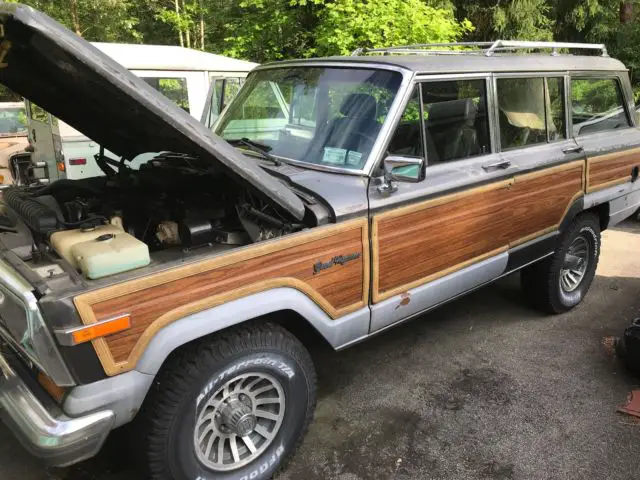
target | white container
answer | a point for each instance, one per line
(110, 254)
(62, 242)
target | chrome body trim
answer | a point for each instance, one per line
(52, 436)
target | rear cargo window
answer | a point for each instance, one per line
(597, 105)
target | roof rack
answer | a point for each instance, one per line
(481, 48)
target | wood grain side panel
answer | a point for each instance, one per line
(415, 245)
(156, 301)
(420, 243)
(611, 169)
(539, 201)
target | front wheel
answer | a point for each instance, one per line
(234, 407)
(560, 282)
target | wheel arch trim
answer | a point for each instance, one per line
(336, 332)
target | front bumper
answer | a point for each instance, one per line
(49, 435)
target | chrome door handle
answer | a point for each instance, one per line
(569, 150)
(501, 165)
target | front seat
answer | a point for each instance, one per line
(451, 125)
(357, 129)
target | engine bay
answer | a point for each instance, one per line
(173, 201)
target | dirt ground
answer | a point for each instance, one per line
(483, 388)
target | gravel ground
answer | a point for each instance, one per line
(483, 388)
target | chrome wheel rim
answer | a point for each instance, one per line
(239, 421)
(575, 265)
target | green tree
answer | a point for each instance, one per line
(348, 24)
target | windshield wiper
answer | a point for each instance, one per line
(257, 147)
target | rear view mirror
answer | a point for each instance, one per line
(404, 169)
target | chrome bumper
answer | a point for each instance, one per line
(53, 437)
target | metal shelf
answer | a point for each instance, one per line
(481, 48)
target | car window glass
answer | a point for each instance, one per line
(173, 88)
(521, 107)
(13, 114)
(456, 119)
(231, 87)
(407, 139)
(556, 120)
(597, 105)
(37, 113)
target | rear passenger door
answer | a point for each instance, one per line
(603, 126)
(447, 233)
(549, 165)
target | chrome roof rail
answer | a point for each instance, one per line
(482, 48)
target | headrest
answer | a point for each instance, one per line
(359, 105)
(453, 111)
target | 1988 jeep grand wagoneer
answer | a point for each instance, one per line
(345, 194)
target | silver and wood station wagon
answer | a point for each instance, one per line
(334, 196)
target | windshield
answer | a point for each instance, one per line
(319, 115)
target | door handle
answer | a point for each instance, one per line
(501, 165)
(569, 150)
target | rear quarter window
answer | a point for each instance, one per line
(597, 105)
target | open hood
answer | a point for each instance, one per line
(67, 76)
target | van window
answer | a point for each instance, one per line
(175, 89)
(457, 123)
(597, 105)
(37, 113)
(407, 139)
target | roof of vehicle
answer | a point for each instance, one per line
(171, 57)
(472, 63)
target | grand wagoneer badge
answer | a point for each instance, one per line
(337, 260)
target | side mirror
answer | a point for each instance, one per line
(404, 169)
(400, 169)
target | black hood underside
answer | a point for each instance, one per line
(77, 83)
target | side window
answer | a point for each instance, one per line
(556, 115)
(175, 89)
(521, 110)
(231, 87)
(37, 113)
(597, 105)
(407, 139)
(456, 119)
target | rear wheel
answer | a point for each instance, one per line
(232, 408)
(560, 282)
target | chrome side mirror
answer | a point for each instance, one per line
(401, 169)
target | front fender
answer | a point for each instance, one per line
(337, 332)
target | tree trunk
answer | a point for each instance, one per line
(201, 26)
(75, 19)
(187, 30)
(626, 12)
(180, 37)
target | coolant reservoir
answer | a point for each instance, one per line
(62, 242)
(109, 254)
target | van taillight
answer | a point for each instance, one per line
(77, 161)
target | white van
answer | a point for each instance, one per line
(184, 75)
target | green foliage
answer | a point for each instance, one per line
(348, 24)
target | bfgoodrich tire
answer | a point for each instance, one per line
(561, 281)
(234, 407)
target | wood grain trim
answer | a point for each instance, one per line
(611, 169)
(507, 185)
(89, 302)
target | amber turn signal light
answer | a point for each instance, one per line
(101, 329)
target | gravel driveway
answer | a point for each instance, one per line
(483, 388)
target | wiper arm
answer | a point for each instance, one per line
(257, 147)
